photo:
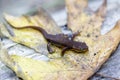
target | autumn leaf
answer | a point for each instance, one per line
(64, 68)
(73, 66)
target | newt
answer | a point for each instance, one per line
(60, 40)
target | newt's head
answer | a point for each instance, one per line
(80, 47)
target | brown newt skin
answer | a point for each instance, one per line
(60, 40)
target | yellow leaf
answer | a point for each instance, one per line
(71, 66)
(78, 66)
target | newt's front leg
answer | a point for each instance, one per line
(49, 48)
(63, 51)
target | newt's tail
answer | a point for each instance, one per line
(36, 28)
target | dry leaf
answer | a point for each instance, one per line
(74, 66)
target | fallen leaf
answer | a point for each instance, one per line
(73, 65)
(70, 67)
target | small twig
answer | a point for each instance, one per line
(105, 76)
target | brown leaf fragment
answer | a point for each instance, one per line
(102, 10)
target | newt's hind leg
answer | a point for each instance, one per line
(75, 34)
(49, 48)
(63, 51)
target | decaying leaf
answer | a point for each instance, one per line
(73, 66)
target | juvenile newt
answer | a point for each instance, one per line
(60, 40)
